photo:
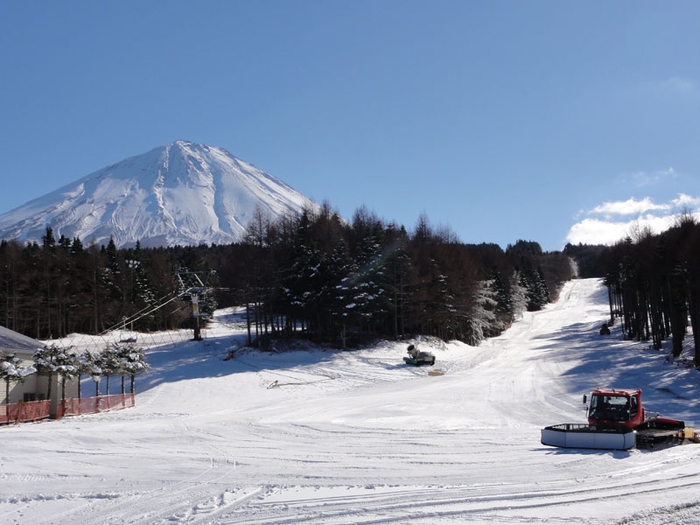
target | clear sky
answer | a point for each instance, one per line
(549, 121)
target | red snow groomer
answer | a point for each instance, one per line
(617, 420)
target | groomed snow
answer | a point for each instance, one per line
(331, 437)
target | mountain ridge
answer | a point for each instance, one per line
(182, 193)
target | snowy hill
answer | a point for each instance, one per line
(182, 193)
(322, 436)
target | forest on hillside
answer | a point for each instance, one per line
(654, 285)
(315, 276)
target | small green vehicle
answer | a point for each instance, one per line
(418, 358)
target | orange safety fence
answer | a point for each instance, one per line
(24, 411)
(74, 406)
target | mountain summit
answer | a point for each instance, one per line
(179, 194)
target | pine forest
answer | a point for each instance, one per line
(312, 276)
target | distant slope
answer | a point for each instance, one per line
(179, 194)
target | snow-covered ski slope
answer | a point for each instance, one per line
(330, 437)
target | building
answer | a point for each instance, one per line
(35, 386)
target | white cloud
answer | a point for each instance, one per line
(611, 222)
(596, 231)
(679, 85)
(686, 201)
(643, 179)
(628, 207)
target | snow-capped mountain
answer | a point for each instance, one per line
(179, 194)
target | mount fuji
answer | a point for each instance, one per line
(179, 194)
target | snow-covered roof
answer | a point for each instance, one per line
(11, 341)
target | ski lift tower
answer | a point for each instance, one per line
(193, 284)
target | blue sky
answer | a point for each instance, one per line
(499, 120)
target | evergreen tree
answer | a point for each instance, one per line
(68, 365)
(132, 361)
(47, 361)
(482, 318)
(399, 288)
(92, 366)
(368, 293)
(10, 281)
(518, 295)
(503, 312)
(11, 369)
(342, 308)
(110, 363)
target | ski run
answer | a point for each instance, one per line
(320, 436)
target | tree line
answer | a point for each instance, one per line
(345, 283)
(57, 287)
(314, 275)
(654, 285)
